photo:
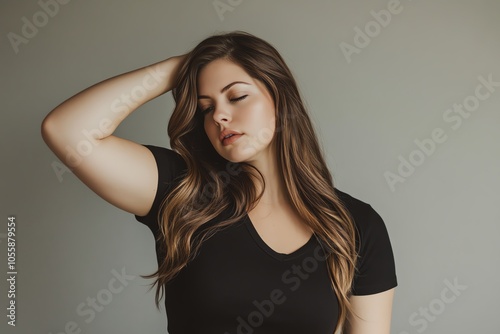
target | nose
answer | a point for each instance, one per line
(221, 115)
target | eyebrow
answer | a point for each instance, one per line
(224, 89)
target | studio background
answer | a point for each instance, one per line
(384, 101)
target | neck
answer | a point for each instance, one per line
(275, 193)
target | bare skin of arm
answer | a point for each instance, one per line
(80, 133)
(374, 314)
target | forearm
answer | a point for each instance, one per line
(100, 108)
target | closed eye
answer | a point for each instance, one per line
(239, 98)
(208, 109)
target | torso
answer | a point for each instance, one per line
(281, 227)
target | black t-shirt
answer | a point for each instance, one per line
(237, 284)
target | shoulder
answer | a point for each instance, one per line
(351, 202)
(363, 213)
(166, 154)
(375, 268)
(169, 163)
(171, 167)
(370, 226)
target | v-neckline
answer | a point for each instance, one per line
(265, 247)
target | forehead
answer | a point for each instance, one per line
(217, 73)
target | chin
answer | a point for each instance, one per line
(234, 154)
(236, 158)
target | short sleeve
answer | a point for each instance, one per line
(376, 270)
(170, 167)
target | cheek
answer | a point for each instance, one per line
(263, 124)
(210, 130)
(267, 117)
(261, 113)
(206, 127)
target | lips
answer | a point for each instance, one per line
(227, 132)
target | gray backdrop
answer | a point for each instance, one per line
(405, 97)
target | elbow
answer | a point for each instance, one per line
(46, 129)
(51, 133)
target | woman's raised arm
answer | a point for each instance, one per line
(79, 132)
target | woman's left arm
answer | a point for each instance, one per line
(373, 314)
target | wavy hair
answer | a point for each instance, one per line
(206, 189)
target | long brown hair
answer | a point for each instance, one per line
(211, 184)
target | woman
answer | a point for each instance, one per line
(251, 235)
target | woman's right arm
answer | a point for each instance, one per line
(79, 132)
